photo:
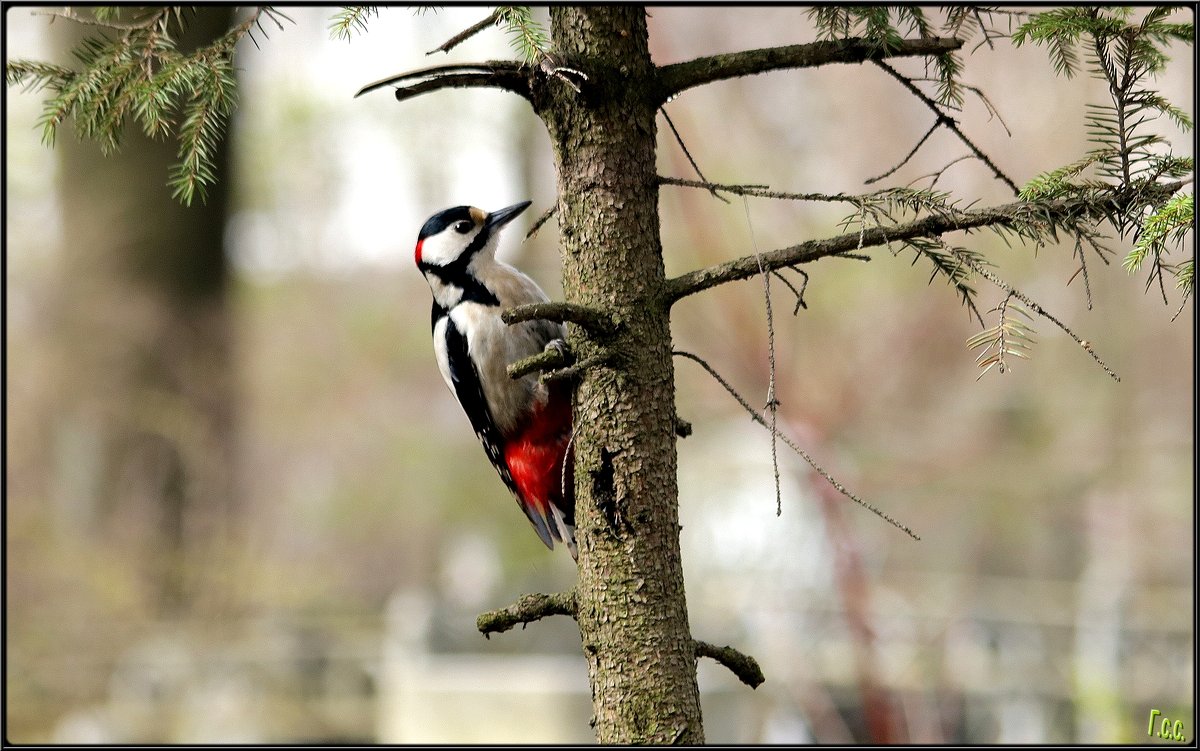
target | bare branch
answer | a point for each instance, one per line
(540, 221)
(910, 155)
(933, 177)
(678, 77)
(741, 665)
(548, 359)
(500, 74)
(950, 123)
(935, 225)
(592, 320)
(528, 609)
(757, 191)
(799, 293)
(575, 371)
(688, 154)
(463, 36)
(683, 428)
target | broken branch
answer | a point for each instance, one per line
(528, 609)
(499, 74)
(591, 320)
(741, 665)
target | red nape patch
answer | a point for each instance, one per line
(418, 253)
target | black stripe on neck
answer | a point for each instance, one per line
(473, 290)
(455, 273)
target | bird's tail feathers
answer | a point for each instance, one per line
(550, 524)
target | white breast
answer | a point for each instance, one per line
(493, 345)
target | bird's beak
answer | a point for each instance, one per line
(503, 216)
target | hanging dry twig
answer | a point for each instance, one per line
(772, 402)
(758, 418)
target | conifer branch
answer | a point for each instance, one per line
(1030, 219)
(349, 20)
(150, 21)
(528, 37)
(139, 74)
(1124, 55)
(678, 77)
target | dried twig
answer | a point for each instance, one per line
(950, 124)
(1012, 291)
(757, 191)
(545, 217)
(688, 154)
(466, 34)
(772, 402)
(910, 155)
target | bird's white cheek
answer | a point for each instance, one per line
(439, 250)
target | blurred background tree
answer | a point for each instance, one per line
(148, 441)
(321, 299)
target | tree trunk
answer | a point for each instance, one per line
(144, 331)
(632, 611)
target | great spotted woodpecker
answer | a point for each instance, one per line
(524, 425)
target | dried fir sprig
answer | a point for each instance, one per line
(1011, 337)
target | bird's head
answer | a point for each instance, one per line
(455, 237)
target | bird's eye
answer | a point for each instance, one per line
(462, 227)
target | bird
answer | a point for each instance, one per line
(524, 424)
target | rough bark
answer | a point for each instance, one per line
(631, 607)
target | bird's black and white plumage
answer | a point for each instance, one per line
(524, 425)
